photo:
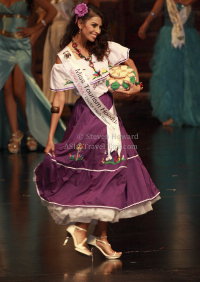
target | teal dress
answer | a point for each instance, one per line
(17, 51)
(174, 86)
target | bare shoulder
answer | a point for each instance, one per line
(58, 60)
(71, 48)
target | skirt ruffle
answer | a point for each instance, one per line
(174, 86)
(79, 184)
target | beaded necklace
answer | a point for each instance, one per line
(88, 59)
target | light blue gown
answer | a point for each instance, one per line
(174, 86)
(17, 51)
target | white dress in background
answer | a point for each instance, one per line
(55, 32)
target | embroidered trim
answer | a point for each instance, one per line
(79, 168)
(67, 88)
(78, 157)
(68, 82)
(104, 71)
(95, 75)
(101, 78)
(89, 169)
(114, 161)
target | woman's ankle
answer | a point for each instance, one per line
(82, 225)
(100, 235)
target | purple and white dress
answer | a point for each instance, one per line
(81, 184)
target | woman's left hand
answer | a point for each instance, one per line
(25, 31)
(134, 89)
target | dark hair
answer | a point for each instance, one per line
(100, 46)
(30, 5)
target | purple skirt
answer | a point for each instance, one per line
(79, 184)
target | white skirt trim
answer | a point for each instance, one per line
(47, 203)
(65, 215)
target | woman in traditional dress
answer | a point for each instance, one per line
(17, 85)
(95, 173)
(174, 86)
(54, 34)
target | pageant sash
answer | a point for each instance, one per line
(108, 117)
(178, 19)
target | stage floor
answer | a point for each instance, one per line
(162, 245)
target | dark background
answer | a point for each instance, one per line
(125, 18)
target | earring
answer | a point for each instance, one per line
(79, 31)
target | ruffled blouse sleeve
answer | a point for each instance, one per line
(59, 79)
(118, 54)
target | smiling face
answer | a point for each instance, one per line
(91, 28)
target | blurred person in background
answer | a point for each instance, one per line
(22, 104)
(174, 86)
(51, 48)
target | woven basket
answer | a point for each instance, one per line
(118, 77)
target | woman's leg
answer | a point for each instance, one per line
(11, 109)
(101, 229)
(11, 104)
(101, 232)
(20, 91)
(80, 234)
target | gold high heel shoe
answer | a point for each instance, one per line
(31, 143)
(92, 241)
(78, 247)
(15, 142)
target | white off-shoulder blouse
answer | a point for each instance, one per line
(60, 79)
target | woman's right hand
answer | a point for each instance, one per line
(25, 31)
(142, 30)
(50, 148)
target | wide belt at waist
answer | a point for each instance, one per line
(13, 16)
(10, 34)
(11, 23)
